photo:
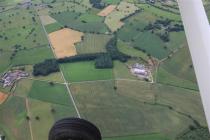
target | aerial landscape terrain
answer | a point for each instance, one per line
(124, 65)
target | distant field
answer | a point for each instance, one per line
(111, 1)
(12, 119)
(82, 22)
(98, 102)
(43, 91)
(20, 27)
(85, 71)
(124, 9)
(93, 43)
(159, 13)
(32, 56)
(152, 45)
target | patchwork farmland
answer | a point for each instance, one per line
(91, 59)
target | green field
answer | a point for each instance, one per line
(32, 56)
(93, 43)
(43, 91)
(4, 60)
(180, 65)
(85, 71)
(140, 137)
(98, 102)
(12, 119)
(151, 44)
(53, 27)
(121, 71)
(81, 22)
(20, 27)
(111, 1)
(129, 50)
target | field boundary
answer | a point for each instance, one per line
(65, 82)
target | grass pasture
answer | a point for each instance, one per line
(152, 45)
(93, 43)
(129, 50)
(4, 60)
(21, 27)
(23, 87)
(140, 137)
(43, 111)
(98, 102)
(86, 22)
(12, 119)
(43, 91)
(85, 71)
(32, 56)
(53, 27)
(180, 65)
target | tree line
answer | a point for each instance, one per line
(102, 60)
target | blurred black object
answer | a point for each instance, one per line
(74, 129)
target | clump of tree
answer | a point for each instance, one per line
(164, 37)
(104, 61)
(45, 68)
(79, 58)
(97, 4)
(113, 51)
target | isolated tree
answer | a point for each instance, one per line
(53, 110)
(52, 83)
(37, 118)
(27, 118)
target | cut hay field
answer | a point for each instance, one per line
(63, 42)
(56, 93)
(3, 97)
(93, 43)
(12, 119)
(85, 71)
(98, 102)
(106, 11)
(123, 10)
(23, 87)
